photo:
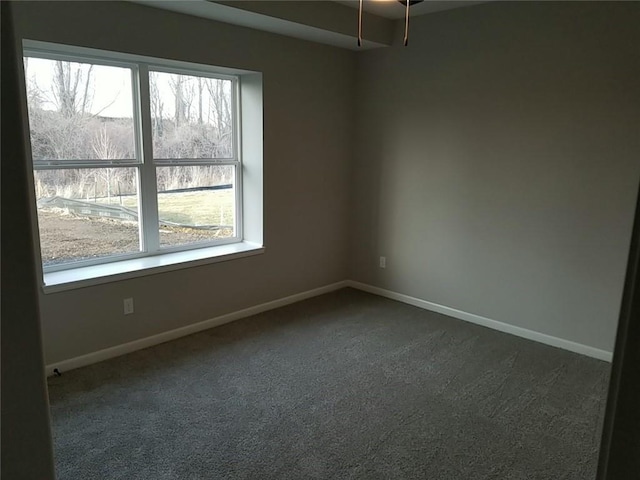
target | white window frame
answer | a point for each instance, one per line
(113, 267)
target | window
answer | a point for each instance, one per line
(194, 151)
(133, 157)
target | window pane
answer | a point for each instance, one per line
(191, 116)
(79, 111)
(196, 203)
(86, 213)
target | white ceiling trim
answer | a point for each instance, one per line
(244, 18)
(325, 32)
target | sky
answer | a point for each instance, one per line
(111, 88)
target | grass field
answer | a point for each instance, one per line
(200, 208)
(209, 207)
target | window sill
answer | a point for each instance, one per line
(126, 269)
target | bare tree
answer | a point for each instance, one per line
(177, 85)
(157, 107)
(71, 88)
(106, 148)
(200, 88)
(221, 115)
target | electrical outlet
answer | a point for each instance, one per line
(383, 262)
(128, 306)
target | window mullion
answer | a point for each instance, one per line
(237, 150)
(148, 185)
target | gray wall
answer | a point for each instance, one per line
(26, 436)
(307, 152)
(497, 163)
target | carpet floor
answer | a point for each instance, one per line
(343, 386)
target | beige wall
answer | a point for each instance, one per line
(497, 163)
(307, 153)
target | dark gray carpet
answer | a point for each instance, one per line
(347, 385)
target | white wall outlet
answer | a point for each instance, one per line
(383, 262)
(128, 306)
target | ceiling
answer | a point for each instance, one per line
(329, 22)
(392, 9)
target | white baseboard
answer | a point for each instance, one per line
(129, 347)
(487, 322)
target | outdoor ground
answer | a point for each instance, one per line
(65, 236)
